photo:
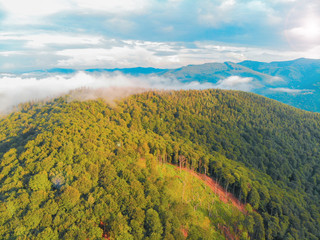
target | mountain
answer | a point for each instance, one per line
(132, 71)
(72, 169)
(294, 82)
(300, 85)
(213, 72)
(300, 73)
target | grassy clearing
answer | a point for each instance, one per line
(208, 212)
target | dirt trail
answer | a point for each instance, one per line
(224, 196)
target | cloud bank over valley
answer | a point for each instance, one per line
(21, 88)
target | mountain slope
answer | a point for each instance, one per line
(299, 73)
(84, 158)
(75, 171)
(300, 85)
(292, 82)
(213, 72)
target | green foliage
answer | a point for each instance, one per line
(72, 169)
(48, 233)
(69, 197)
(197, 233)
(254, 198)
(40, 181)
(153, 225)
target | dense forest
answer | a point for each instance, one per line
(90, 169)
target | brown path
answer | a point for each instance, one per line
(224, 196)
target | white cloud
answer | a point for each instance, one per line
(237, 83)
(91, 34)
(213, 14)
(115, 7)
(292, 91)
(45, 39)
(302, 29)
(273, 80)
(126, 54)
(219, 52)
(99, 57)
(42, 40)
(238, 13)
(82, 51)
(31, 11)
(8, 66)
(15, 89)
(25, 12)
(282, 1)
(8, 53)
(306, 34)
(120, 24)
(313, 52)
(147, 54)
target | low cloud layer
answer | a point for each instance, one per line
(20, 88)
(292, 91)
(15, 89)
(238, 83)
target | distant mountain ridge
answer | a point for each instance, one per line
(293, 82)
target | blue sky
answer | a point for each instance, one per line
(80, 34)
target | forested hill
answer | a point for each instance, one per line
(69, 165)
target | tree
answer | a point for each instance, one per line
(254, 198)
(196, 233)
(49, 234)
(69, 197)
(40, 181)
(258, 231)
(153, 225)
